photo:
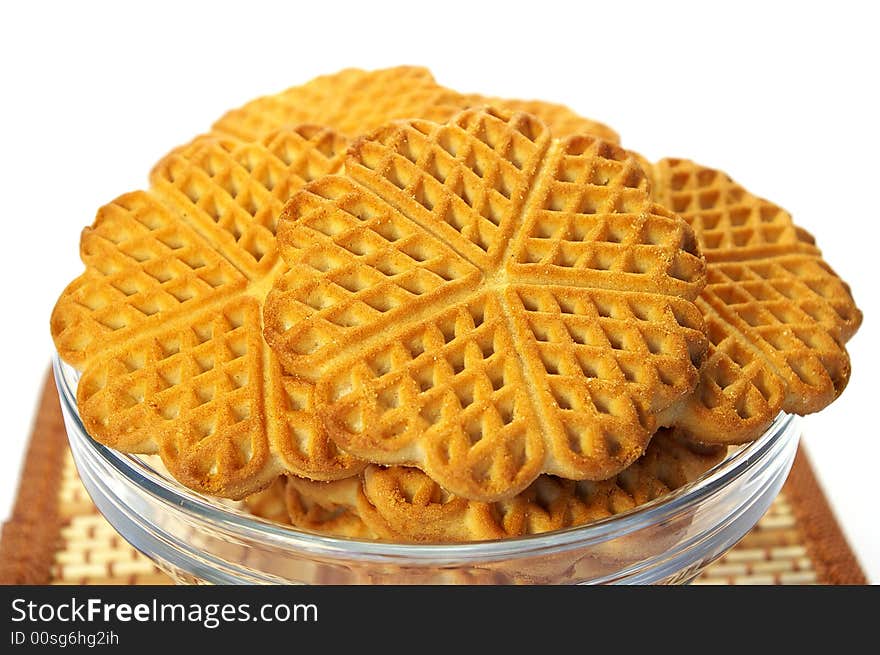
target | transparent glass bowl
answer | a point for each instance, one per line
(199, 539)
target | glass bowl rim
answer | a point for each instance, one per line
(171, 493)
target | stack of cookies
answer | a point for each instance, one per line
(375, 307)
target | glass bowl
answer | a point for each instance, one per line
(200, 539)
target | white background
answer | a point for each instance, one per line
(781, 97)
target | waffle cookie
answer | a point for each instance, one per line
(487, 303)
(405, 505)
(165, 324)
(355, 101)
(352, 102)
(777, 316)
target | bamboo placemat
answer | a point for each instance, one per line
(56, 535)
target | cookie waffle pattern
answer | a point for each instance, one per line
(777, 316)
(404, 504)
(166, 321)
(352, 101)
(486, 303)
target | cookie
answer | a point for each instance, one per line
(777, 316)
(487, 303)
(166, 322)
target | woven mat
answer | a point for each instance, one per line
(56, 535)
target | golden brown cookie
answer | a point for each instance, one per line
(777, 315)
(488, 303)
(166, 321)
(355, 101)
(352, 102)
